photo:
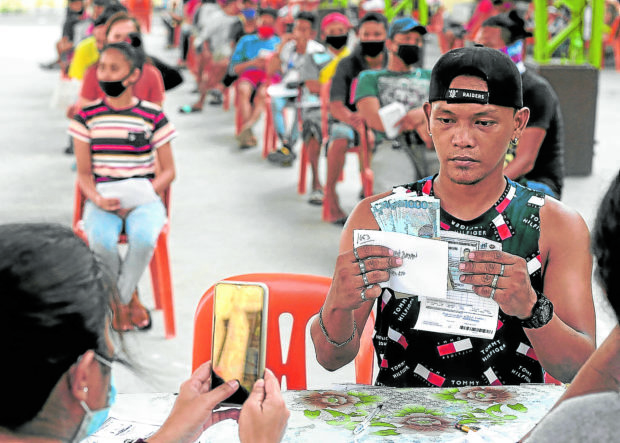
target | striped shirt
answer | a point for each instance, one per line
(122, 141)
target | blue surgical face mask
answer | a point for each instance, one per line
(93, 420)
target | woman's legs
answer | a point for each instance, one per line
(142, 226)
(102, 229)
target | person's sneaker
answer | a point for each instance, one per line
(283, 156)
(216, 98)
(316, 197)
(69, 149)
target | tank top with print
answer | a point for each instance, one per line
(409, 357)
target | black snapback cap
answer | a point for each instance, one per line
(494, 67)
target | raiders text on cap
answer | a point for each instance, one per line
(454, 95)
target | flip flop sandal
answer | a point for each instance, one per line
(188, 109)
(138, 314)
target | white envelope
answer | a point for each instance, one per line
(425, 262)
(131, 192)
(390, 115)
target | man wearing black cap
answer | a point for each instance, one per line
(538, 160)
(541, 283)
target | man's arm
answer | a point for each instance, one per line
(344, 304)
(568, 340)
(341, 113)
(527, 152)
(368, 107)
(600, 373)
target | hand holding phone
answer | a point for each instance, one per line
(239, 336)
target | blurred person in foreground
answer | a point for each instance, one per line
(54, 327)
(540, 280)
(590, 407)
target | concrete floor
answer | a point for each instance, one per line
(232, 212)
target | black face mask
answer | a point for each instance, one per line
(372, 49)
(116, 88)
(409, 54)
(336, 41)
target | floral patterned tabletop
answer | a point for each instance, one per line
(417, 414)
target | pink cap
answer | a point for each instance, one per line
(334, 17)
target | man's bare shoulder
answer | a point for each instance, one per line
(559, 224)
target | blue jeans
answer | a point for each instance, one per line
(142, 227)
(277, 108)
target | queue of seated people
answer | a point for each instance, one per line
(277, 61)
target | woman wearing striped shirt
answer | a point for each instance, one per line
(118, 140)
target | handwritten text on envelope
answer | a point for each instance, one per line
(425, 262)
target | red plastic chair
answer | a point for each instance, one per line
(161, 278)
(226, 99)
(613, 39)
(270, 138)
(297, 294)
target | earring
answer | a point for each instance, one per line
(85, 389)
(430, 135)
(514, 141)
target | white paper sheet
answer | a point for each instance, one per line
(462, 312)
(425, 262)
(131, 192)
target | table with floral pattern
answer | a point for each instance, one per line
(417, 414)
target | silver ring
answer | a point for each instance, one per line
(363, 294)
(357, 257)
(501, 271)
(494, 282)
(365, 279)
(492, 296)
(362, 266)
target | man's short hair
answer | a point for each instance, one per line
(307, 16)
(511, 24)
(268, 11)
(373, 17)
(494, 67)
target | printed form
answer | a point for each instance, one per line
(462, 312)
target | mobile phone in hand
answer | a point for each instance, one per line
(239, 336)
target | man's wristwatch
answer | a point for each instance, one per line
(542, 312)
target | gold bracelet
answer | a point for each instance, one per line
(329, 340)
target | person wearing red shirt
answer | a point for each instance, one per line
(150, 86)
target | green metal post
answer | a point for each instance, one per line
(596, 37)
(540, 31)
(423, 12)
